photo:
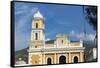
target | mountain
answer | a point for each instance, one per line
(22, 54)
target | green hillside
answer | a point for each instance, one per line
(22, 54)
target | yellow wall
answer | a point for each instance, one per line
(69, 57)
(49, 56)
(57, 59)
(37, 43)
(59, 40)
(73, 55)
(35, 59)
(49, 45)
(40, 35)
(75, 44)
(39, 22)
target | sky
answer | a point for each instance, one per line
(63, 19)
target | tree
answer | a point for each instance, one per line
(91, 15)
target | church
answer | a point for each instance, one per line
(57, 51)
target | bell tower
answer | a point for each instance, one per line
(37, 33)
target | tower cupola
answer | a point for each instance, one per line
(38, 15)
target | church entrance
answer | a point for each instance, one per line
(49, 61)
(62, 60)
(75, 59)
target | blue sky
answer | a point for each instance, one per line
(62, 19)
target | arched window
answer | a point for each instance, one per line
(35, 62)
(62, 60)
(36, 25)
(49, 61)
(75, 59)
(35, 46)
(36, 36)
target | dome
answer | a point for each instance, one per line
(38, 15)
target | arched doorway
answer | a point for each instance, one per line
(49, 61)
(62, 60)
(75, 59)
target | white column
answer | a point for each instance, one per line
(41, 59)
(32, 35)
(55, 58)
(81, 43)
(69, 57)
(29, 58)
(69, 44)
(56, 43)
(43, 40)
(81, 57)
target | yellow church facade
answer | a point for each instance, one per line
(57, 51)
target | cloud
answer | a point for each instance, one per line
(25, 9)
(47, 39)
(86, 37)
(23, 16)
